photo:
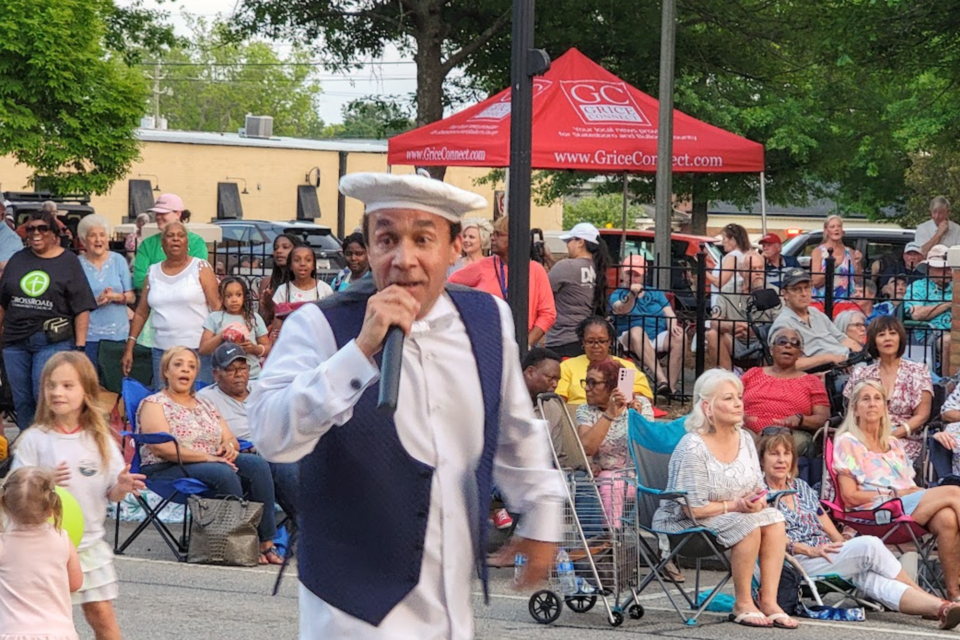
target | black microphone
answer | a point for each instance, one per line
(390, 370)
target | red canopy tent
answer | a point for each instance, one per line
(585, 118)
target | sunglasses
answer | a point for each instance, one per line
(37, 228)
(590, 384)
(773, 431)
(784, 341)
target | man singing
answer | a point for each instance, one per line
(394, 509)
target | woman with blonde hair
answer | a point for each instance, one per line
(872, 468)
(475, 233)
(848, 262)
(716, 467)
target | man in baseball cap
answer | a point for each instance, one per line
(930, 299)
(425, 472)
(774, 263)
(167, 208)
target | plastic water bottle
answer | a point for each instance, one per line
(565, 574)
(519, 566)
(584, 587)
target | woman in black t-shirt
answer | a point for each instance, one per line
(45, 305)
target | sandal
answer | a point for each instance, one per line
(750, 615)
(778, 620)
(270, 555)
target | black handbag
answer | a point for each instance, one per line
(58, 329)
(224, 531)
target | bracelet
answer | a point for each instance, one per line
(724, 507)
(263, 350)
(906, 426)
(134, 338)
(604, 415)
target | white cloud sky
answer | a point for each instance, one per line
(338, 89)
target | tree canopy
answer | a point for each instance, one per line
(68, 106)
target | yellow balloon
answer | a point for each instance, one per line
(72, 516)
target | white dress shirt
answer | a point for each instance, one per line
(309, 386)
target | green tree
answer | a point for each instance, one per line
(371, 118)
(600, 211)
(68, 109)
(212, 82)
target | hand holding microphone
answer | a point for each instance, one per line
(389, 317)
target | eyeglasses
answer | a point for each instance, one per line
(37, 228)
(783, 341)
(596, 343)
(590, 384)
(773, 431)
(857, 324)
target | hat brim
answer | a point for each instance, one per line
(224, 365)
(936, 263)
(159, 210)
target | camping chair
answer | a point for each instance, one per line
(886, 521)
(171, 491)
(651, 445)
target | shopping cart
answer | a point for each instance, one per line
(603, 550)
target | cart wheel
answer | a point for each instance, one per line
(617, 619)
(636, 611)
(581, 604)
(545, 606)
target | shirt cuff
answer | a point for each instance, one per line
(350, 371)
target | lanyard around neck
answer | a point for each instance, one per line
(501, 275)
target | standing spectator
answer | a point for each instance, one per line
(907, 384)
(181, 291)
(782, 395)
(10, 242)
(109, 276)
(822, 342)
(579, 286)
(490, 275)
(774, 263)
(930, 300)
(596, 336)
(236, 323)
(939, 229)
(282, 246)
(168, 208)
(735, 243)
(131, 244)
(355, 254)
(647, 325)
(301, 283)
(848, 263)
(229, 395)
(45, 305)
(476, 242)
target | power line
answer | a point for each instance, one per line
(269, 64)
(258, 82)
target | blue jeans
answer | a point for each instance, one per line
(204, 374)
(92, 350)
(286, 482)
(252, 480)
(24, 361)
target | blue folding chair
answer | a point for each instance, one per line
(171, 491)
(651, 445)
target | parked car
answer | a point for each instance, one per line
(247, 246)
(873, 244)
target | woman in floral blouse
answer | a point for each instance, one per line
(207, 450)
(603, 427)
(907, 385)
(820, 549)
(872, 468)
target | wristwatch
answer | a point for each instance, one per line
(79, 347)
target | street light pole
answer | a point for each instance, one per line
(525, 62)
(664, 203)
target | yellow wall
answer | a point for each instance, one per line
(192, 171)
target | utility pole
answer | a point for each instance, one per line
(661, 241)
(157, 92)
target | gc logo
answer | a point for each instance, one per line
(598, 102)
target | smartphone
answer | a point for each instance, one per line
(762, 494)
(625, 383)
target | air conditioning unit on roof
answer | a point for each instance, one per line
(258, 126)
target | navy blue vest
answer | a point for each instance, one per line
(364, 500)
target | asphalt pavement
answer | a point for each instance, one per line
(163, 599)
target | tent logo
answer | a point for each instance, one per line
(501, 108)
(598, 102)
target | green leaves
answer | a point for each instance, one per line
(68, 108)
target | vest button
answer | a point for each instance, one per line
(355, 384)
(426, 473)
(421, 514)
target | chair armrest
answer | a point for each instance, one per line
(775, 497)
(160, 437)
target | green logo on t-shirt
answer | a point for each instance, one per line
(35, 283)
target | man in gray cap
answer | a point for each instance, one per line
(823, 343)
(393, 508)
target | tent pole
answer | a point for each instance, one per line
(763, 203)
(623, 237)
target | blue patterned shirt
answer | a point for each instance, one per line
(803, 524)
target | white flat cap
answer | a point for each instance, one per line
(379, 191)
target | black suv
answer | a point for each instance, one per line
(247, 247)
(872, 243)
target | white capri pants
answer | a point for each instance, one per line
(867, 563)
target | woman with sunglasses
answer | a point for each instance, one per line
(782, 395)
(814, 541)
(907, 384)
(45, 305)
(602, 424)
